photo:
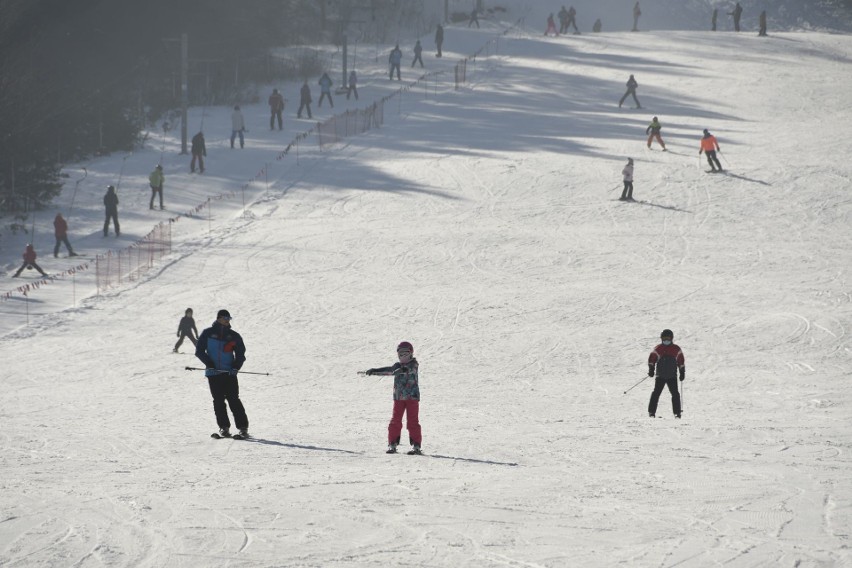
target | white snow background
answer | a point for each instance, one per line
(483, 226)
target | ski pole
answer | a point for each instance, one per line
(636, 385)
(727, 163)
(225, 371)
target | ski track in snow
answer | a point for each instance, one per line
(532, 297)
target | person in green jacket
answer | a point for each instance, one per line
(653, 131)
(156, 180)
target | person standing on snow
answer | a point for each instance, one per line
(474, 19)
(186, 328)
(627, 174)
(551, 26)
(709, 146)
(598, 26)
(669, 362)
(304, 101)
(632, 85)
(762, 20)
(223, 352)
(60, 231)
(406, 397)
(111, 209)
(276, 108)
(156, 181)
(418, 50)
(199, 152)
(737, 14)
(394, 59)
(29, 261)
(636, 13)
(715, 17)
(653, 131)
(563, 20)
(238, 126)
(571, 20)
(353, 85)
(325, 84)
(439, 39)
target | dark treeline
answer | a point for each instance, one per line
(82, 77)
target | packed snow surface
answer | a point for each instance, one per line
(483, 225)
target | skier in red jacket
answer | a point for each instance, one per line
(29, 262)
(668, 360)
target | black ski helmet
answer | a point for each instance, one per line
(667, 333)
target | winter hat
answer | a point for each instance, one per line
(667, 333)
(159, 166)
(405, 346)
(706, 132)
(629, 160)
(223, 314)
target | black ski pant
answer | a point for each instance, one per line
(111, 215)
(628, 190)
(225, 387)
(32, 265)
(59, 242)
(630, 92)
(711, 157)
(275, 114)
(352, 89)
(304, 106)
(184, 336)
(658, 389)
(416, 59)
(324, 95)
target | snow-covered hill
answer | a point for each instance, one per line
(483, 226)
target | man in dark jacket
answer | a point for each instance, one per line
(223, 352)
(668, 360)
(276, 107)
(199, 151)
(439, 39)
(737, 14)
(111, 208)
(305, 101)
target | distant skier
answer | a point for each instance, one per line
(199, 152)
(709, 146)
(737, 14)
(29, 261)
(304, 100)
(715, 17)
(762, 32)
(653, 131)
(394, 59)
(223, 352)
(353, 85)
(156, 181)
(238, 126)
(439, 40)
(406, 397)
(551, 26)
(325, 84)
(627, 174)
(667, 361)
(474, 18)
(632, 85)
(60, 231)
(636, 13)
(111, 209)
(186, 328)
(571, 20)
(598, 26)
(418, 51)
(276, 108)
(563, 20)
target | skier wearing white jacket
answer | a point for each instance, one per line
(238, 126)
(627, 172)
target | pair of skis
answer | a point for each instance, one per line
(218, 436)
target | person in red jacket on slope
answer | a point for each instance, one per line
(667, 361)
(29, 262)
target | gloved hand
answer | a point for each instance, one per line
(403, 369)
(682, 374)
(370, 372)
(650, 370)
(233, 372)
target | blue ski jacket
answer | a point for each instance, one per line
(220, 348)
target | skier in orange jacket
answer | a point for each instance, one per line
(709, 146)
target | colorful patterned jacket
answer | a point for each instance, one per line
(405, 383)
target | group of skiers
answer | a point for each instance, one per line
(223, 352)
(737, 14)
